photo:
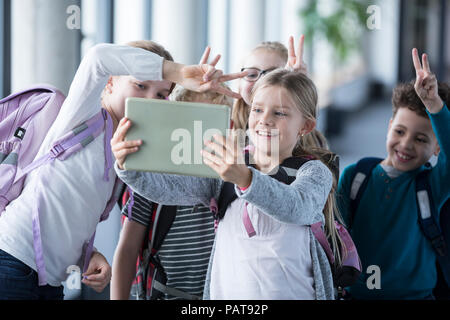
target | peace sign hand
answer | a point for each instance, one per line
(205, 57)
(206, 77)
(426, 84)
(295, 60)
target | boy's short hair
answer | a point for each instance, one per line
(182, 94)
(405, 96)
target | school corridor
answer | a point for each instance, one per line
(355, 68)
(363, 133)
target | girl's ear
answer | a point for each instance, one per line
(308, 127)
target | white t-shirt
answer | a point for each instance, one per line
(275, 264)
(73, 192)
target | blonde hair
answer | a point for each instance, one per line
(304, 94)
(241, 110)
(182, 94)
(151, 46)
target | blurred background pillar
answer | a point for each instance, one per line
(219, 31)
(246, 29)
(181, 27)
(129, 20)
(50, 31)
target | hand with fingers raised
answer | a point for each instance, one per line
(295, 59)
(205, 57)
(426, 84)
(206, 77)
(201, 78)
(121, 148)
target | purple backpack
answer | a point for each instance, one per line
(25, 119)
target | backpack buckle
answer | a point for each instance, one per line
(56, 151)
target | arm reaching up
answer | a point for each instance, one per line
(426, 83)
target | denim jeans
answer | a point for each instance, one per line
(20, 282)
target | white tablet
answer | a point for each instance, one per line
(173, 135)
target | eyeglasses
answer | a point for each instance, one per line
(254, 73)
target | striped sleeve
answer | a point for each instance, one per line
(142, 210)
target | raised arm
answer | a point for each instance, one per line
(426, 83)
(100, 62)
(105, 60)
(301, 202)
(426, 87)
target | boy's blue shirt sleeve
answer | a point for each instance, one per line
(440, 174)
(343, 193)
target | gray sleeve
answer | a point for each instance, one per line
(301, 202)
(168, 189)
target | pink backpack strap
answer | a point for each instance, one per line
(319, 234)
(351, 258)
(248, 223)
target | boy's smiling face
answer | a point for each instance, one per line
(410, 141)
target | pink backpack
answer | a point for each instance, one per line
(25, 119)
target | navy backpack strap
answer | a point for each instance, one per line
(363, 170)
(445, 228)
(436, 229)
(428, 218)
(227, 196)
(164, 219)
